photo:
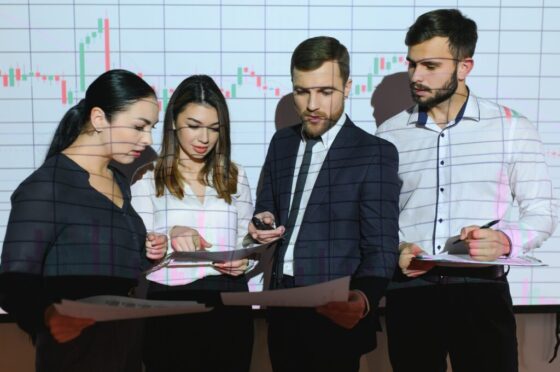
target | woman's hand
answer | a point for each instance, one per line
(156, 246)
(186, 239)
(65, 328)
(233, 268)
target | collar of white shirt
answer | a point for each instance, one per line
(470, 111)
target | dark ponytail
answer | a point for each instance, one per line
(113, 91)
(69, 128)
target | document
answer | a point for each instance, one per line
(105, 308)
(208, 256)
(464, 260)
(310, 296)
(456, 253)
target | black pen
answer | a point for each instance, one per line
(485, 226)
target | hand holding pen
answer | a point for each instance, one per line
(484, 243)
(485, 226)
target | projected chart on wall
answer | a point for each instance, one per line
(51, 50)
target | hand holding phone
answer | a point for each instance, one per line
(261, 225)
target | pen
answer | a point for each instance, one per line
(485, 226)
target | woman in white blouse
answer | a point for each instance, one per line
(196, 198)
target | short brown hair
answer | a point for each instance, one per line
(312, 53)
(460, 31)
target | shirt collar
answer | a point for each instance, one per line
(329, 136)
(469, 111)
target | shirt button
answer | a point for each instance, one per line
(439, 247)
(441, 189)
(442, 162)
(440, 220)
(443, 134)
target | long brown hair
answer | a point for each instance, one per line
(218, 172)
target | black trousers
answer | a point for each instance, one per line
(220, 340)
(303, 340)
(105, 346)
(473, 322)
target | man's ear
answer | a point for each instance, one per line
(464, 68)
(347, 88)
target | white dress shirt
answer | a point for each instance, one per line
(219, 223)
(487, 166)
(318, 155)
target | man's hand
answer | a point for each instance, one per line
(265, 236)
(485, 244)
(345, 314)
(233, 268)
(156, 246)
(65, 328)
(409, 267)
(186, 239)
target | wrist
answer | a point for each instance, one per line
(364, 301)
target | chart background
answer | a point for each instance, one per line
(246, 46)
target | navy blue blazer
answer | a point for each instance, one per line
(350, 225)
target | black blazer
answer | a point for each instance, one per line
(350, 226)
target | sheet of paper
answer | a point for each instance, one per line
(206, 257)
(310, 296)
(104, 308)
(466, 260)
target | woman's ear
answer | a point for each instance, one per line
(98, 119)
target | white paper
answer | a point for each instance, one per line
(310, 296)
(207, 257)
(104, 308)
(466, 260)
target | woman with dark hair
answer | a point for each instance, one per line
(200, 199)
(73, 233)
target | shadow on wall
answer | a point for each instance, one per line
(286, 114)
(390, 97)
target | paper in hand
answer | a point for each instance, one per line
(105, 308)
(208, 256)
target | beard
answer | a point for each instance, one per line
(328, 121)
(441, 94)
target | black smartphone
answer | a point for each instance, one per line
(261, 225)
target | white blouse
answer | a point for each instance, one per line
(219, 223)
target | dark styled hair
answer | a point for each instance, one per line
(450, 23)
(113, 91)
(310, 54)
(219, 171)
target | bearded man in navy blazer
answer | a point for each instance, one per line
(331, 190)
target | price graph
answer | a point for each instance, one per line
(50, 50)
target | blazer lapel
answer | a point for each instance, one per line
(286, 167)
(343, 143)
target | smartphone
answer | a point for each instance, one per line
(261, 225)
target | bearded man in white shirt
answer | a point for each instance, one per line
(464, 161)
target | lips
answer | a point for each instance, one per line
(313, 119)
(200, 149)
(418, 89)
(136, 153)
